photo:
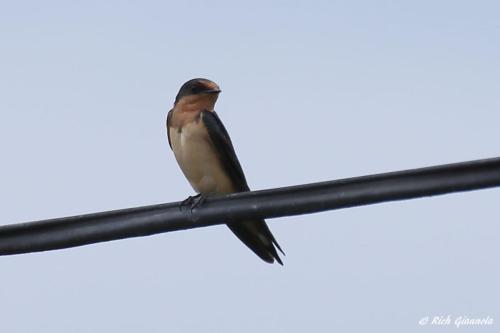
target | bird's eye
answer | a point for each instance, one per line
(196, 89)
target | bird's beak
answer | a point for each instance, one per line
(212, 91)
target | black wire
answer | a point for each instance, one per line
(294, 200)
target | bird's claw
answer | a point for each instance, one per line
(187, 202)
(198, 201)
(193, 201)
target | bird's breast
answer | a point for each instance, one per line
(198, 159)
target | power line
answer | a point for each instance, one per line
(286, 201)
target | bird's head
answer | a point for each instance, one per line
(198, 94)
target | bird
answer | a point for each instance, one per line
(205, 154)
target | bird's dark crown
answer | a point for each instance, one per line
(197, 86)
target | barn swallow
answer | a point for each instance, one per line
(206, 156)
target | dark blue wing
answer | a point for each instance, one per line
(224, 147)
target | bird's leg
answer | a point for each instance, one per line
(194, 201)
(189, 201)
(198, 201)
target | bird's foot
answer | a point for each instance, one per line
(189, 201)
(193, 201)
(198, 201)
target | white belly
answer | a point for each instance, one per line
(198, 161)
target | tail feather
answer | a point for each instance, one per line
(257, 236)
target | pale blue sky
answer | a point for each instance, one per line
(312, 91)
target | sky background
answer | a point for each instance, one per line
(312, 91)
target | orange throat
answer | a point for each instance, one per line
(188, 108)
